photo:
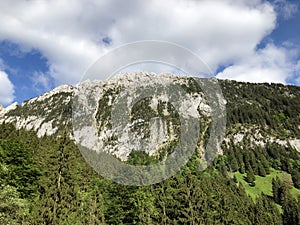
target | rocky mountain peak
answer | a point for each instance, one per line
(258, 113)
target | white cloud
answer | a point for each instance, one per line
(286, 8)
(2, 64)
(270, 64)
(297, 74)
(6, 89)
(41, 81)
(218, 31)
(69, 33)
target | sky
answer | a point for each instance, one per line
(47, 43)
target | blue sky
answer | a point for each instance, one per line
(44, 44)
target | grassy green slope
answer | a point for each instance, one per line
(264, 184)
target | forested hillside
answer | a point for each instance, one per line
(256, 181)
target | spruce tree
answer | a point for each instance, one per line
(291, 214)
(57, 186)
(234, 164)
(276, 189)
(250, 178)
(261, 170)
(296, 178)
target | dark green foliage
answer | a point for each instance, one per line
(274, 107)
(281, 192)
(242, 168)
(142, 109)
(46, 181)
(104, 114)
(291, 211)
(55, 109)
(296, 177)
(69, 192)
(277, 191)
(261, 170)
(266, 212)
(17, 167)
(13, 209)
(57, 185)
(250, 178)
(140, 158)
(191, 86)
(234, 165)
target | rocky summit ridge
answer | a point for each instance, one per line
(257, 113)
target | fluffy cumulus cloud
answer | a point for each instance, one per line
(6, 89)
(271, 64)
(73, 34)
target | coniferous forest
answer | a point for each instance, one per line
(47, 181)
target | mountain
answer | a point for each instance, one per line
(45, 114)
(253, 179)
(259, 113)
